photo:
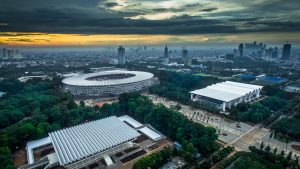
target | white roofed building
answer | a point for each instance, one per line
(109, 83)
(86, 144)
(226, 94)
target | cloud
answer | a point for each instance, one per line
(111, 4)
(172, 17)
(208, 9)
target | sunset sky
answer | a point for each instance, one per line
(134, 22)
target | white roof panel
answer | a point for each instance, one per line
(226, 91)
(216, 94)
(130, 121)
(250, 86)
(150, 133)
(78, 142)
(35, 144)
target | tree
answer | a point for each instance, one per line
(268, 149)
(289, 156)
(296, 158)
(82, 104)
(262, 146)
(275, 151)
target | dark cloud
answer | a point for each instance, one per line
(208, 9)
(111, 4)
(95, 17)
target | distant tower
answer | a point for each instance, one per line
(235, 53)
(4, 53)
(185, 57)
(166, 56)
(286, 51)
(121, 55)
(241, 50)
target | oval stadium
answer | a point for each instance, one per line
(109, 83)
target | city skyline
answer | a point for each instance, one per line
(132, 22)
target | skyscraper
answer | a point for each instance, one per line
(121, 55)
(166, 59)
(185, 57)
(286, 51)
(4, 53)
(241, 50)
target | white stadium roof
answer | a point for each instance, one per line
(81, 80)
(78, 142)
(226, 91)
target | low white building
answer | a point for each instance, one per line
(82, 145)
(226, 94)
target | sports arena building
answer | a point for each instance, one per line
(86, 144)
(109, 83)
(226, 94)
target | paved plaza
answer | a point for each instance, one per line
(228, 130)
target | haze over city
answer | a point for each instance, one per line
(149, 84)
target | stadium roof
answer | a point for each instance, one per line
(130, 121)
(226, 91)
(78, 142)
(81, 80)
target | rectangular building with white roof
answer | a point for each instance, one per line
(226, 94)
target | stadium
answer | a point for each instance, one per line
(224, 95)
(109, 83)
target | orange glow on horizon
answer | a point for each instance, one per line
(44, 39)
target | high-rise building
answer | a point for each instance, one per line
(235, 53)
(121, 55)
(166, 59)
(185, 57)
(286, 51)
(241, 50)
(4, 53)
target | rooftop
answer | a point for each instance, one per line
(86, 79)
(226, 91)
(78, 142)
(130, 121)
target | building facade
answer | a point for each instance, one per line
(121, 55)
(166, 59)
(286, 51)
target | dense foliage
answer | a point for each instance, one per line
(289, 126)
(154, 160)
(225, 163)
(215, 158)
(176, 86)
(277, 102)
(265, 159)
